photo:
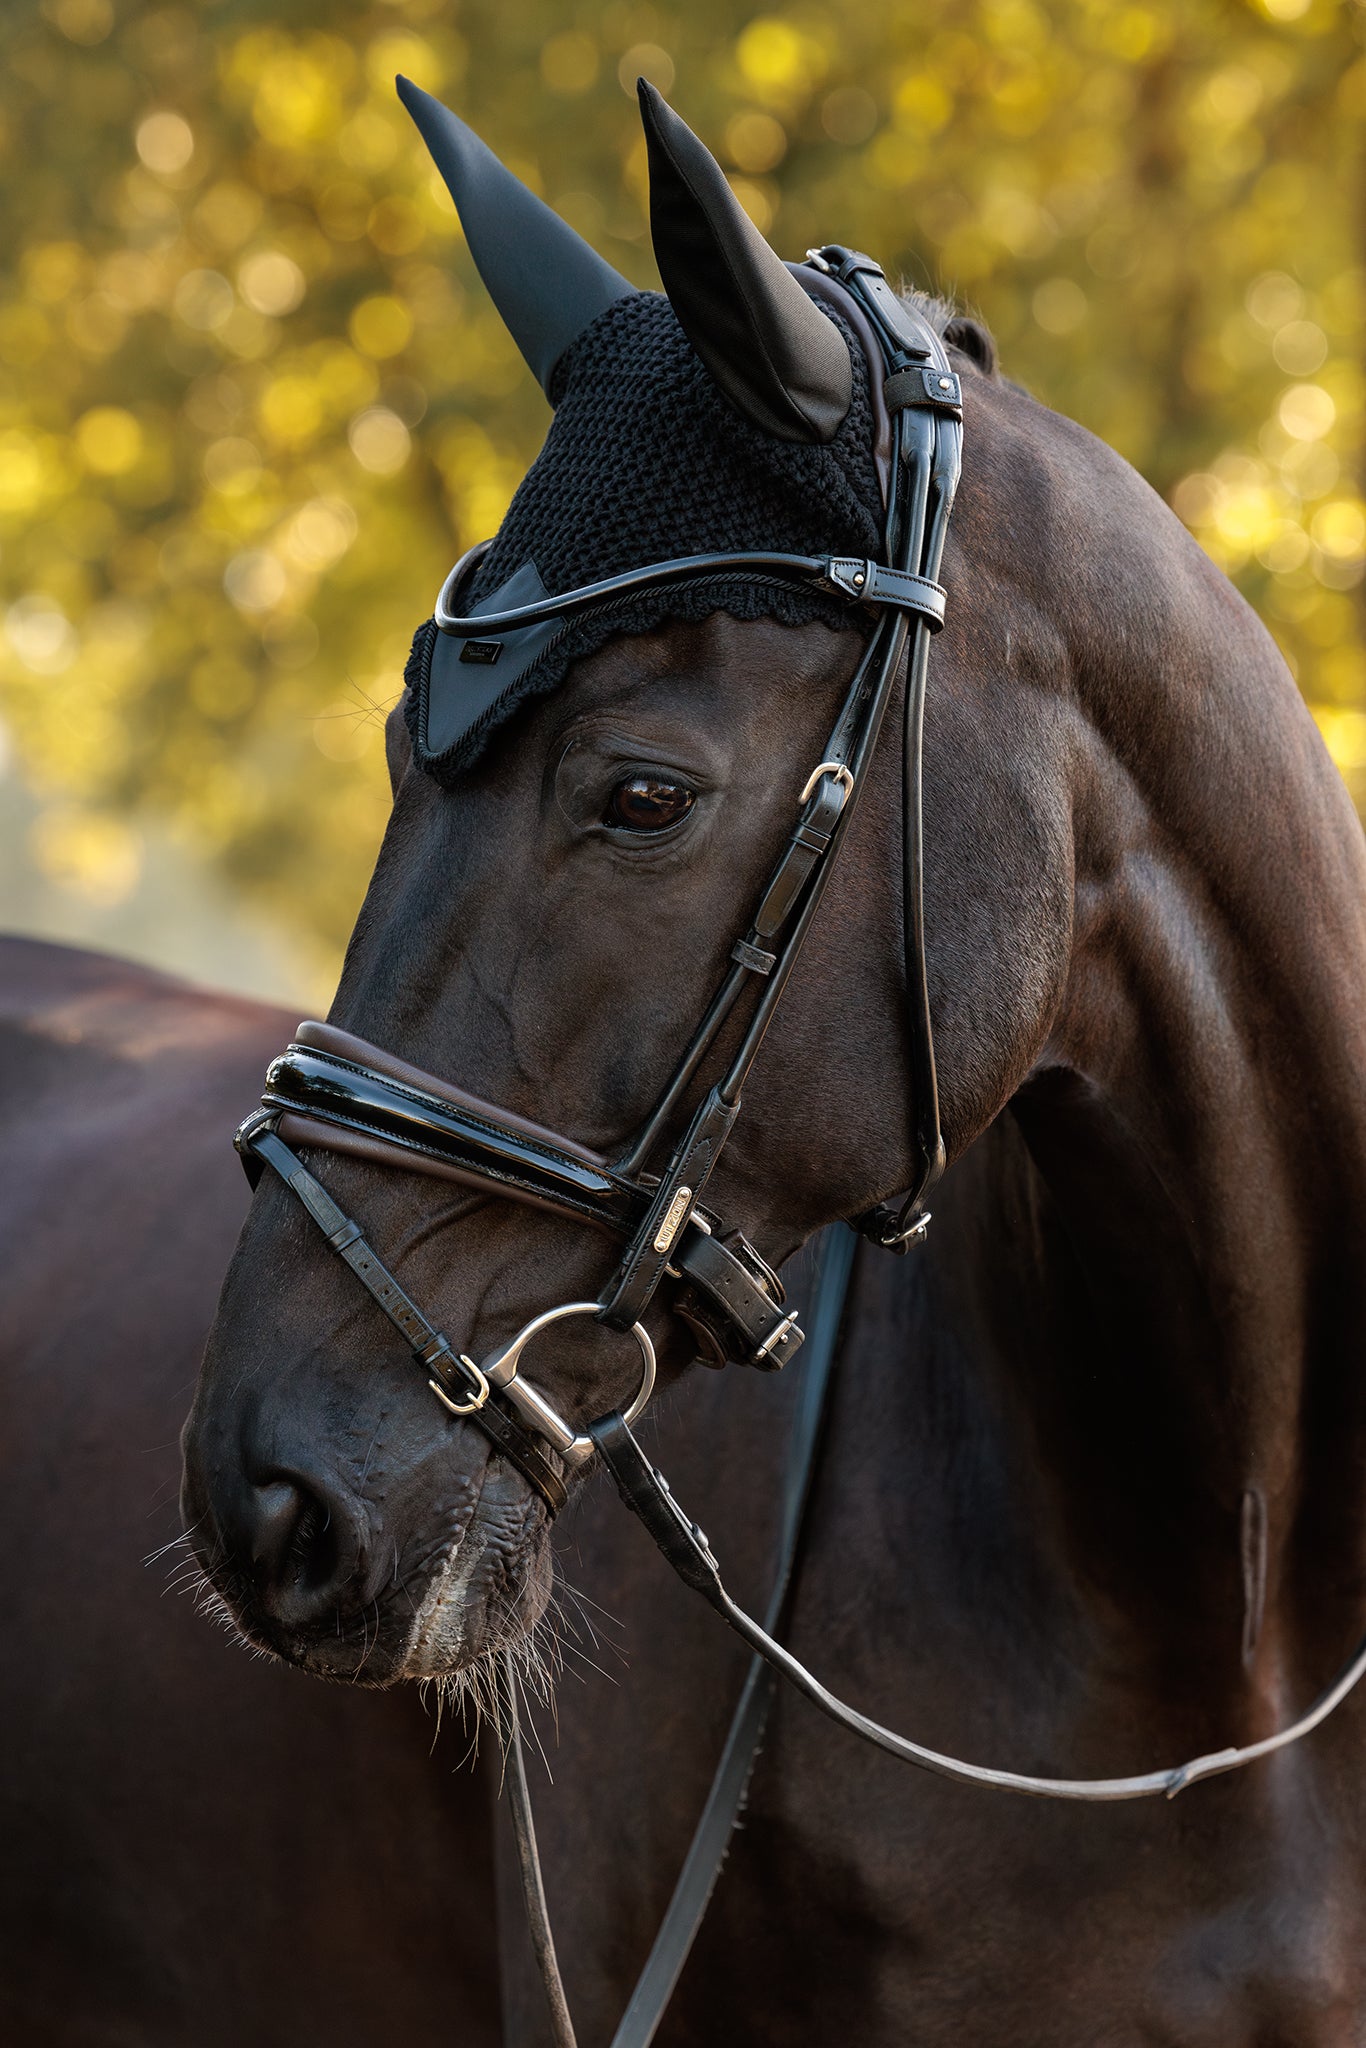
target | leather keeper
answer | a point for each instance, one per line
(749, 1302)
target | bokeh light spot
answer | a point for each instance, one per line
(232, 465)
(380, 326)
(1273, 299)
(755, 142)
(204, 299)
(165, 142)
(379, 440)
(646, 60)
(1299, 347)
(1306, 412)
(290, 409)
(81, 21)
(1060, 305)
(271, 282)
(1339, 528)
(41, 635)
(91, 854)
(777, 59)
(849, 114)
(109, 440)
(344, 732)
(320, 533)
(255, 580)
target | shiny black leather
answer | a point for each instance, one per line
(316, 1093)
(349, 1095)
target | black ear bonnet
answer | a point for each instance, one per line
(646, 460)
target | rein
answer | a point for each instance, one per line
(333, 1091)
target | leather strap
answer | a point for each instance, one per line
(874, 583)
(488, 1144)
(735, 1283)
(334, 1091)
(925, 384)
(647, 1256)
(529, 1860)
(646, 1492)
(430, 1348)
(702, 1865)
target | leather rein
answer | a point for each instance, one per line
(334, 1092)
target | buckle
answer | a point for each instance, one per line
(882, 1226)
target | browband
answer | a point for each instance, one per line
(859, 581)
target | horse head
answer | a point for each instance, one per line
(587, 807)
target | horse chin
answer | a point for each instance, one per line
(487, 1590)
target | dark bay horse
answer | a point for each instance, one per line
(193, 1848)
(1091, 1496)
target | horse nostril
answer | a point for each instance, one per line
(302, 1549)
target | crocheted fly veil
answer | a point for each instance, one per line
(732, 414)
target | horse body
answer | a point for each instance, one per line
(1090, 1500)
(196, 1848)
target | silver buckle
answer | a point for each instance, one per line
(777, 1336)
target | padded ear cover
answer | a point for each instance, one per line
(543, 277)
(777, 359)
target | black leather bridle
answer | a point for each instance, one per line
(332, 1091)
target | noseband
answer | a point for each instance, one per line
(332, 1091)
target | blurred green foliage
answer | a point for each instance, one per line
(253, 399)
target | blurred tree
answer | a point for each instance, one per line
(253, 399)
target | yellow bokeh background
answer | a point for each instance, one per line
(253, 399)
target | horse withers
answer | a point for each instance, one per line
(1088, 1499)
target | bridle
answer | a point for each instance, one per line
(335, 1092)
(331, 1090)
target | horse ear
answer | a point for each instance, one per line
(543, 277)
(779, 361)
(975, 340)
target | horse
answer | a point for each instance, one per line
(195, 1848)
(1088, 1492)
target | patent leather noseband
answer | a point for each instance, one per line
(333, 1091)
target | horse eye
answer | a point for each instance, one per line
(646, 803)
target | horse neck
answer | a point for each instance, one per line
(1196, 1135)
